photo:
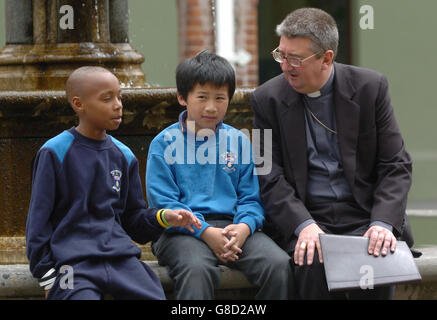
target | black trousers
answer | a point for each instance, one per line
(334, 218)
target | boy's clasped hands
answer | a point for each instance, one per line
(226, 243)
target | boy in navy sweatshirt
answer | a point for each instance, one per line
(205, 166)
(87, 204)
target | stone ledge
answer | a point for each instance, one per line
(422, 212)
(16, 281)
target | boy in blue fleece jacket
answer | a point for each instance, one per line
(87, 203)
(205, 166)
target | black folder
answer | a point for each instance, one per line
(348, 265)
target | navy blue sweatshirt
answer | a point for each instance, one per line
(87, 202)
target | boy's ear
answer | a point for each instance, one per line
(181, 100)
(76, 104)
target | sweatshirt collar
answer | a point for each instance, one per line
(183, 125)
(93, 143)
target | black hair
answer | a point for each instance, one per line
(205, 67)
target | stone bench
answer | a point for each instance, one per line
(16, 282)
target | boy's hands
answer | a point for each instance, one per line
(182, 218)
(226, 243)
(238, 234)
(217, 242)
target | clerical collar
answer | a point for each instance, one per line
(325, 89)
(314, 94)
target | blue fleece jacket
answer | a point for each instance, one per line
(86, 201)
(212, 176)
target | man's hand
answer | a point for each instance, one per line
(380, 237)
(46, 292)
(216, 241)
(307, 242)
(241, 231)
(182, 218)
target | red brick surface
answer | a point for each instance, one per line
(196, 33)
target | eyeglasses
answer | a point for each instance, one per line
(292, 61)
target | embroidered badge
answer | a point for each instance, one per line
(230, 159)
(116, 174)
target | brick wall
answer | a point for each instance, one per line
(196, 33)
(246, 38)
(196, 30)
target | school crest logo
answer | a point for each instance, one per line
(116, 175)
(230, 159)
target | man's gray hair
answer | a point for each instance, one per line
(312, 23)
